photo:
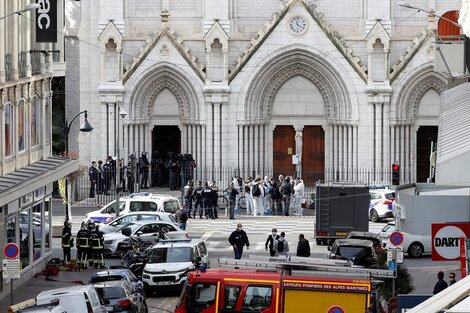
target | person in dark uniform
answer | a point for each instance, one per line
(122, 174)
(207, 201)
(197, 196)
(83, 245)
(100, 169)
(108, 176)
(238, 239)
(67, 241)
(144, 167)
(188, 197)
(215, 195)
(97, 247)
(93, 176)
(173, 169)
(157, 166)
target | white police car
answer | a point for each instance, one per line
(381, 204)
(125, 219)
(141, 202)
(169, 262)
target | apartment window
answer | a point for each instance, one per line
(21, 126)
(35, 121)
(9, 124)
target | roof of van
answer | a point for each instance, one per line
(186, 242)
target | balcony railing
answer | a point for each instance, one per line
(37, 57)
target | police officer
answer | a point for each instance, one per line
(144, 166)
(97, 247)
(67, 241)
(197, 196)
(215, 195)
(207, 200)
(93, 176)
(83, 245)
(173, 170)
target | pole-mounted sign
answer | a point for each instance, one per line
(446, 240)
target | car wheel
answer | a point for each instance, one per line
(319, 242)
(373, 216)
(145, 308)
(415, 250)
(148, 291)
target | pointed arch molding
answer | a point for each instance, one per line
(264, 87)
(154, 83)
(409, 101)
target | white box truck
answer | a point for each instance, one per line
(418, 206)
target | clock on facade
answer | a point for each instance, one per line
(298, 24)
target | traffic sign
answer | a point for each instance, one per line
(396, 238)
(11, 250)
(11, 268)
(335, 309)
(399, 256)
(392, 265)
(446, 240)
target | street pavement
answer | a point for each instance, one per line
(215, 233)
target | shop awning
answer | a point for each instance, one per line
(32, 177)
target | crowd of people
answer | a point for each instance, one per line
(267, 196)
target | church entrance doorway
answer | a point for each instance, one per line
(425, 135)
(313, 154)
(165, 139)
(283, 149)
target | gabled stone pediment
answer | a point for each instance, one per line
(110, 31)
(324, 25)
(378, 31)
(216, 31)
(164, 50)
(410, 52)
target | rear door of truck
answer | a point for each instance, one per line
(324, 296)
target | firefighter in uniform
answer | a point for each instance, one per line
(83, 245)
(67, 241)
(97, 247)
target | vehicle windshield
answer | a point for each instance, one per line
(349, 252)
(132, 226)
(99, 279)
(390, 196)
(170, 254)
(111, 292)
(171, 206)
(388, 227)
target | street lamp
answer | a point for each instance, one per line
(86, 128)
(29, 7)
(409, 6)
(122, 114)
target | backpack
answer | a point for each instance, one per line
(280, 246)
(256, 191)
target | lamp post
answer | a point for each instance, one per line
(122, 114)
(409, 6)
(86, 128)
(29, 7)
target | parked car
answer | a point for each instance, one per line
(358, 251)
(381, 204)
(142, 202)
(121, 296)
(169, 262)
(413, 245)
(375, 238)
(125, 219)
(74, 299)
(147, 232)
(117, 275)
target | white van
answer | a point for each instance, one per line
(75, 299)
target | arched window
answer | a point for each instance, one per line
(21, 126)
(35, 121)
(445, 29)
(9, 124)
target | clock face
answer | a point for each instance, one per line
(298, 24)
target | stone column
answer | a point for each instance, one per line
(15, 39)
(298, 147)
(2, 44)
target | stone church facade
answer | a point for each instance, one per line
(348, 86)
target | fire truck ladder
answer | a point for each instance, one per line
(302, 266)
